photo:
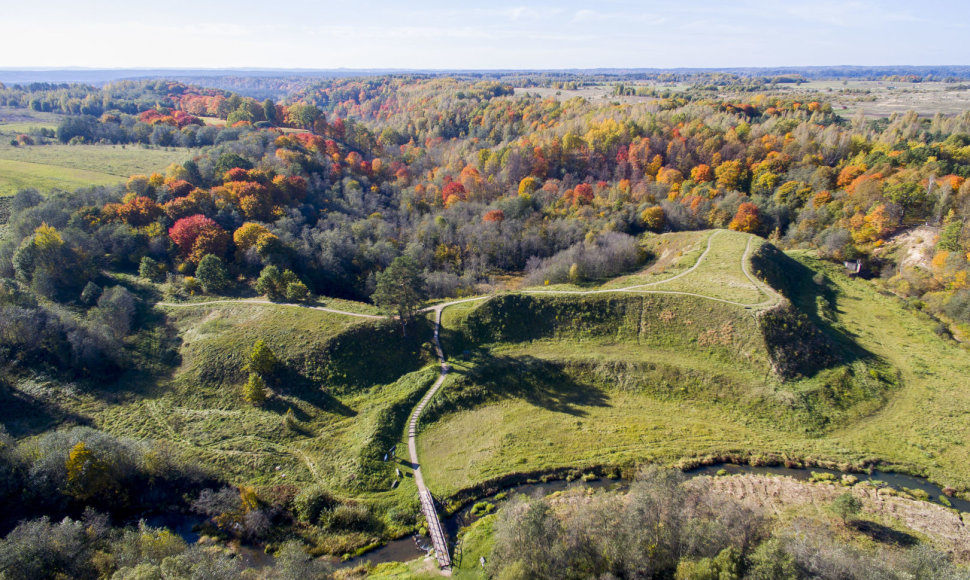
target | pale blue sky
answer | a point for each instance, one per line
(486, 35)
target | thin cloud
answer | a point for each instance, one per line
(848, 14)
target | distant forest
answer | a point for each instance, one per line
(472, 180)
(278, 83)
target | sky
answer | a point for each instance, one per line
(481, 35)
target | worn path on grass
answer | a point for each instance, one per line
(427, 502)
(263, 301)
(773, 297)
(435, 529)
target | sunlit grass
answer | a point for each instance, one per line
(920, 426)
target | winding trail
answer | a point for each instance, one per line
(438, 538)
(773, 296)
(264, 301)
(435, 529)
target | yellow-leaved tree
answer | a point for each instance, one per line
(88, 476)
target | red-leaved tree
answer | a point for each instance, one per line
(197, 236)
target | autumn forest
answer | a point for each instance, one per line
(222, 301)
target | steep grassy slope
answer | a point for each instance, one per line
(926, 424)
(339, 404)
(547, 381)
(339, 376)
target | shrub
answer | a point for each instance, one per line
(846, 506)
(292, 561)
(192, 285)
(353, 518)
(212, 274)
(90, 293)
(116, 310)
(39, 549)
(213, 503)
(254, 390)
(297, 291)
(52, 265)
(262, 359)
(482, 508)
(653, 218)
(151, 270)
(275, 284)
(312, 503)
(88, 475)
(771, 562)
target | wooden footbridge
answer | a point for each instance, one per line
(438, 538)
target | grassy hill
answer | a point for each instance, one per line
(339, 403)
(690, 370)
(337, 391)
(776, 358)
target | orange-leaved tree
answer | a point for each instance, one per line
(747, 219)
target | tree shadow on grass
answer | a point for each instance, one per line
(23, 415)
(291, 383)
(884, 534)
(539, 382)
(151, 357)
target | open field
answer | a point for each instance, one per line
(874, 98)
(47, 167)
(883, 98)
(14, 121)
(17, 175)
(14, 128)
(116, 160)
(67, 167)
(595, 93)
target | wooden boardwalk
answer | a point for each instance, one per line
(438, 538)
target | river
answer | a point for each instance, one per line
(411, 547)
(406, 549)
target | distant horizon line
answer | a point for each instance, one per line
(452, 69)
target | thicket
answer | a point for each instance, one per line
(120, 129)
(661, 528)
(98, 337)
(596, 258)
(89, 548)
(64, 472)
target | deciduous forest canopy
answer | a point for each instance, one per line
(207, 339)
